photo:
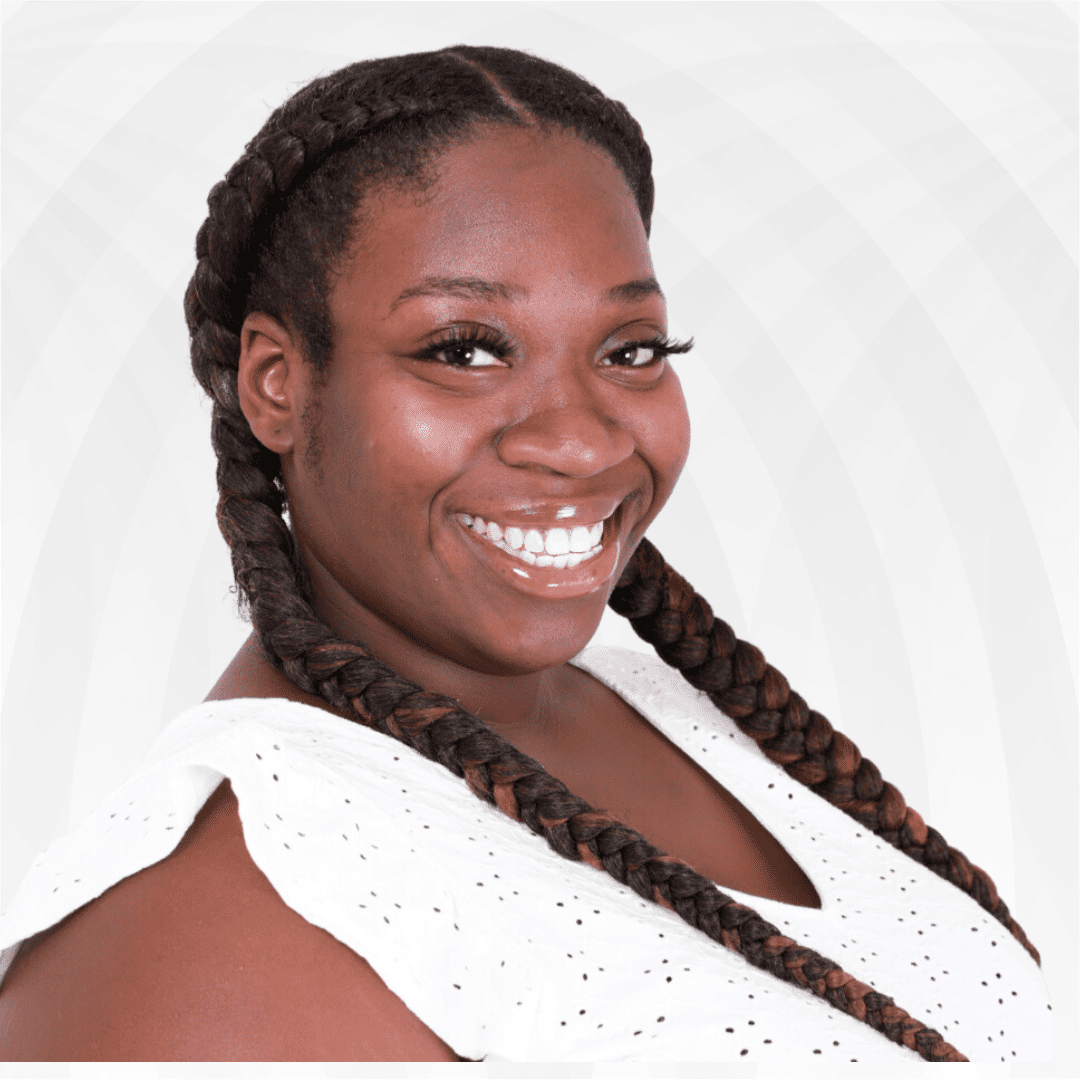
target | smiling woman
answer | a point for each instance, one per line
(444, 414)
(499, 354)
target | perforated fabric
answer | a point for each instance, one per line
(506, 950)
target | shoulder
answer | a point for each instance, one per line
(198, 958)
(655, 688)
(614, 664)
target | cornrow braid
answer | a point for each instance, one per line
(271, 239)
(665, 611)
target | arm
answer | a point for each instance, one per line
(198, 958)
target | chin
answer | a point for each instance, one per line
(527, 654)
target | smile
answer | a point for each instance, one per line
(557, 547)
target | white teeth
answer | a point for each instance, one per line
(580, 539)
(558, 548)
(557, 542)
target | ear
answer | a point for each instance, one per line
(271, 382)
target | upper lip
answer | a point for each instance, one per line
(543, 512)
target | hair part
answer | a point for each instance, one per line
(279, 228)
(308, 240)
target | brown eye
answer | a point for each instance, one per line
(468, 347)
(467, 354)
(636, 355)
(644, 354)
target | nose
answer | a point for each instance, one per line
(572, 440)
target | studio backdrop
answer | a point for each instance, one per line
(866, 216)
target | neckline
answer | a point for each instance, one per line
(591, 663)
(633, 696)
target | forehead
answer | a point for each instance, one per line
(519, 206)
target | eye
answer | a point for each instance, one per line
(468, 347)
(463, 354)
(642, 354)
(635, 356)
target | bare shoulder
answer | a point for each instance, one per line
(197, 958)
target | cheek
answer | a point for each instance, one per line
(436, 436)
(398, 449)
(665, 431)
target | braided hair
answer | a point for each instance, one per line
(278, 227)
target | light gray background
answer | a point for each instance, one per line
(867, 216)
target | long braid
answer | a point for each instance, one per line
(664, 609)
(230, 245)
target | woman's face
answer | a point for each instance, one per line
(491, 371)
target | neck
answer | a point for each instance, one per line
(523, 707)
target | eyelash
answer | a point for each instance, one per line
(499, 345)
(484, 337)
(661, 345)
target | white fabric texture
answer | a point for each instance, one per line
(506, 950)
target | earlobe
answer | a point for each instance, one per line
(267, 381)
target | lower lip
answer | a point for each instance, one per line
(549, 582)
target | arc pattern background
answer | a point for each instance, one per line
(867, 216)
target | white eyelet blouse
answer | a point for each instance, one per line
(507, 951)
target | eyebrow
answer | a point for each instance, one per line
(463, 287)
(635, 290)
(471, 288)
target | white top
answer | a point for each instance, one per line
(505, 949)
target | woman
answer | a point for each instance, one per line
(426, 313)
